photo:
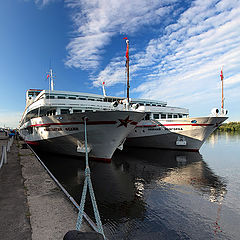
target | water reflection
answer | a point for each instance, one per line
(157, 194)
(121, 187)
(179, 168)
(228, 137)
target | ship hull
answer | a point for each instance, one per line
(64, 134)
(180, 134)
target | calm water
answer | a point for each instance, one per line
(159, 194)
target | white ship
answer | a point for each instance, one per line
(53, 121)
(169, 127)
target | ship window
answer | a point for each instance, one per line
(154, 105)
(155, 116)
(82, 98)
(73, 98)
(77, 110)
(175, 116)
(91, 99)
(50, 97)
(61, 97)
(147, 117)
(65, 111)
(180, 116)
(147, 104)
(169, 116)
(51, 112)
(163, 116)
(30, 130)
(31, 114)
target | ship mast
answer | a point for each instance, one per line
(221, 75)
(103, 88)
(127, 66)
(51, 79)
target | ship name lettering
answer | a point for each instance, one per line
(53, 129)
(71, 129)
(175, 129)
(163, 128)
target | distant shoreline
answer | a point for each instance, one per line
(230, 127)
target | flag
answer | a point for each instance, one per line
(103, 83)
(48, 76)
(221, 75)
(127, 52)
(125, 38)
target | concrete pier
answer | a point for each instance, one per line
(14, 211)
(31, 204)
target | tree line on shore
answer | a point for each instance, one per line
(230, 127)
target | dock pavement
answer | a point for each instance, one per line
(31, 205)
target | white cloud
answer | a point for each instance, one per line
(96, 22)
(43, 3)
(183, 65)
(232, 80)
(10, 119)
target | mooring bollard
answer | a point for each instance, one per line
(4, 156)
(8, 146)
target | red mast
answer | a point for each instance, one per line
(221, 75)
(127, 66)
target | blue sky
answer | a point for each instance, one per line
(177, 49)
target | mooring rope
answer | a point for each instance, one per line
(88, 184)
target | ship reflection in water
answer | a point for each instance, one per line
(149, 193)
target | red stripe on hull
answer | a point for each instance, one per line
(32, 143)
(106, 160)
(180, 124)
(72, 123)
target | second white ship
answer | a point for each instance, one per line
(169, 127)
